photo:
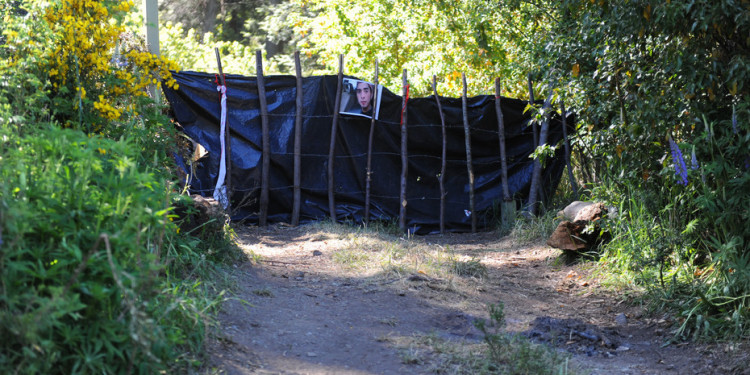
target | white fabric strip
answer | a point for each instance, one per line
(220, 192)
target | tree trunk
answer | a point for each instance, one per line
(566, 142)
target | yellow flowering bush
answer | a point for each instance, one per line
(97, 69)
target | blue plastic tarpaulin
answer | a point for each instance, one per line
(196, 109)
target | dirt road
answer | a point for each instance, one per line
(316, 304)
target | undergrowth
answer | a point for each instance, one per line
(95, 276)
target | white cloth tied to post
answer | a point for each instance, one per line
(220, 192)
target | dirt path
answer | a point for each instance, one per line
(309, 312)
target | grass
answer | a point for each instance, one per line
(377, 251)
(527, 230)
(374, 252)
(471, 268)
(444, 356)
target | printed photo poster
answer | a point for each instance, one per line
(357, 98)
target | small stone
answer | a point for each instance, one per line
(311, 354)
(621, 319)
(317, 253)
(622, 348)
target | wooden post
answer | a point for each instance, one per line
(228, 138)
(566, 142)
(532, 123)
(404, 156)
(332, 148)
(467, 138)
(508, 209)
(537, 172)
(297, 143)
(443, 162)
(265, 139)
(369, 148)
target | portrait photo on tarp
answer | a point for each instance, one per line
(358, 98)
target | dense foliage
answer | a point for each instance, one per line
(662, 89)
(94, 274)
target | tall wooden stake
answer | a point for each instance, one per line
(265, 140)
(332, 148)
(404, 156)
(467, 138)
(501, 137)
(508, 209)
(566, 142)
(536, 176)
(532, 123)
(297, 142)
(443, 161)
(228, 138)
(369, 148)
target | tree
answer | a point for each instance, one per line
(428, 38)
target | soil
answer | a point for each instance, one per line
(298, 311)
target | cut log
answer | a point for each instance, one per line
(572, 234)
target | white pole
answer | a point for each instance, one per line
(151, 24)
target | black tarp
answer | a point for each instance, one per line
(196, 108)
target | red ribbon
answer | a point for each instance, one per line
(216, 80)
(404, 109)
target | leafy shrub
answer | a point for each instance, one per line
(83, 254)
(661, 91)
(94, 277)
(97, 72)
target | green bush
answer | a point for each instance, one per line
(94, 274)
(85, 236)
(663, 103)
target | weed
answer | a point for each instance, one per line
(472, 268)
(390, 321)
(265, 292)
(513, 354)
(352, 259)
(411, 356)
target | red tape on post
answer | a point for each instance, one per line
(405, 102)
